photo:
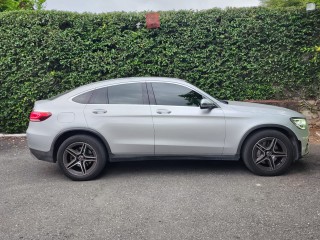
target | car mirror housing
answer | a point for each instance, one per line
(206, 104)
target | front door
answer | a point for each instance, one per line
(181, 127)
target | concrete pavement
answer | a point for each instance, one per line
(157, 200)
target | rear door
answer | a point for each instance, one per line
(181, 127)
(122, 114)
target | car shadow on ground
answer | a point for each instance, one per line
(187, 167)
(180, 167)
(154, 167)
(170, 166)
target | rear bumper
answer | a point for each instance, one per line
(44, 156)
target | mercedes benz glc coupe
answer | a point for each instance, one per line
(161, 118)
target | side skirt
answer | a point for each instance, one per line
(126, 158)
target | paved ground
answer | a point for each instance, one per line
(157, 200)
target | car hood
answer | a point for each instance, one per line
(263, 108)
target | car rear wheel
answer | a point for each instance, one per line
(82, 157)
(268, 153)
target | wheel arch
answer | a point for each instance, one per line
(286, 131)
(62, 136)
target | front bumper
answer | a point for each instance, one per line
(303, 145)
(306, 150)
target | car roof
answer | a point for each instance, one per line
(106, 83)
(127, 80)
(136, 79)
(116, 81)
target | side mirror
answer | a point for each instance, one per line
(206, 104)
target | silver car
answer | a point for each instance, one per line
(161, 118)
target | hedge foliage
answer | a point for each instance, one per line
(246, 53)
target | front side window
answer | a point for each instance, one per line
(131, 93)
(175, 95)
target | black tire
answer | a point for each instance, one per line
(82, 157)
(268, 153)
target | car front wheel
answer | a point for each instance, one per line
(82, 157)
(268, 153)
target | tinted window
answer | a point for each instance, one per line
(176, 95)
(126, 94)
(83, 98)
(99, 96)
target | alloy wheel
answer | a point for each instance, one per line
(269, 153)
(80, 158)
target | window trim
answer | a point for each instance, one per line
(148, 94)
(145, 96)
(153, 97)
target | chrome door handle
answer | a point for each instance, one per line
(99, 111)
(163, 111)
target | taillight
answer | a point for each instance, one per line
(39, 116)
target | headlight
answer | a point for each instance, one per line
(300, 123)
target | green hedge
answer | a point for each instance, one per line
(247, 53)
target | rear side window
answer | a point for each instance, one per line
(131, 93)
(83, 98)
(99, 96)
(175, 95)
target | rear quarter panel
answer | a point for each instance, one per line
(65, 115)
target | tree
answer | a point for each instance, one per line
(39, 4)
(11, 5)
(287, 3)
